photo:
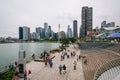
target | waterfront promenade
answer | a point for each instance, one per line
(40, 72)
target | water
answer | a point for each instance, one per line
(9, 52)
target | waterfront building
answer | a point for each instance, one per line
(49, 31)
(39, 32)
(87, 20)
(106, 31)
(24, 33)
(20, 33)
(46, 30)
(43, 34)
(75, 34)
(69, 32)
(62, 35)
(103, 24)
(111, 24)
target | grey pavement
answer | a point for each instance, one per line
(40, 72)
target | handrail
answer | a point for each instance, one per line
(106, 67)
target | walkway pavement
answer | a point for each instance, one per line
(40, 72)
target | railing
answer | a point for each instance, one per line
(106, 67)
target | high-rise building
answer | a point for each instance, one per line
(20, 33)
(43, 34)
(46, 29)
(112, 24)
(87, 19)
(75, 34)
(62, 35)
(103, 24)
(39, 32)
(49, 31)
(24, 33)
(69, 32)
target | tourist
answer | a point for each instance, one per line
(68, 54)
(85, 61)
(75, 64)
(25, 75)
(77, 57)
(71, 54)
(61, 57)
(50, 63)
(33, 56)
(29, 74)
(60, 68)
(64, 69)
(41, 56)
(16, 63)
(46, 62)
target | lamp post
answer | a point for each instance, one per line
(59, 35)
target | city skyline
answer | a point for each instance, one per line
(34, 13)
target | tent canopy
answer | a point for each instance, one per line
(114, 35)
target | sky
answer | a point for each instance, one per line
(33, 13)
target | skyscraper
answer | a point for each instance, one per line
(103, 24)
(24, 33)
(20, 33)
(46, 29)
(75, 34)
(49, 31)
(86, 20)
(69, 32)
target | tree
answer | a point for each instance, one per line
(65, 42)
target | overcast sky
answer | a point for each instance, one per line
(33, 13)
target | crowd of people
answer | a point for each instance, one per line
(65, 54)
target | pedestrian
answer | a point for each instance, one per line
(71, 54)
(64, 69)
(46, 62)
(33, 56)
(68, 54)
(75, 64)
(77, 57)
(25, 75)
(85, 61)
(41, 56)
(51, 64)
(61, 57)
(60, 69)
(29, 74)
(16, 63)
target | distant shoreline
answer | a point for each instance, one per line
(31, 42)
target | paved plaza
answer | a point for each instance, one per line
(40, 72)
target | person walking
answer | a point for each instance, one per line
(25, 75)
(51, 64)
(60, 69)
(64, 69)
(61, 57)
(46, 61)
(75, 64)
(29, 74)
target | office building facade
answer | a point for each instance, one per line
(69, 32)
(87, 20)
(24, 33)
(75, 34)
